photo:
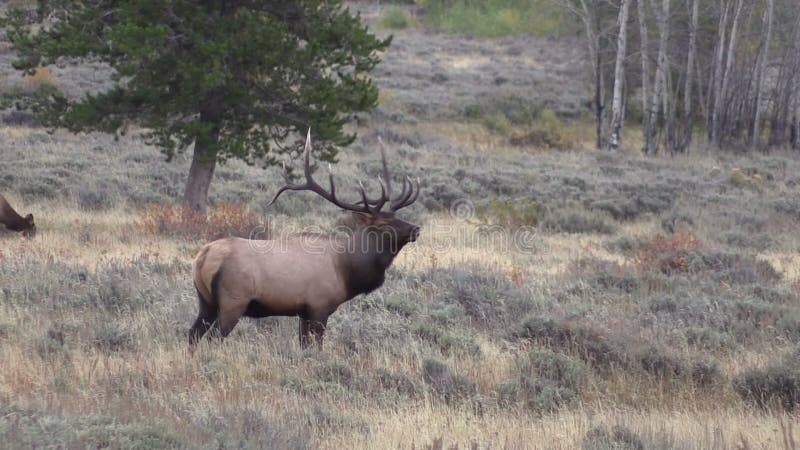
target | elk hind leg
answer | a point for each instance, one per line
(205, 318)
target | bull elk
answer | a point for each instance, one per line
(14, 222)
(307, 274)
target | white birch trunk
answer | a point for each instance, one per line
(619, 73)
(763, 57)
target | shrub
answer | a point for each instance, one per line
(660, 364)
(494, 18)
(22, 428)
(549, 132)
(667, 254)
(41, 77)
(589, 344)
(484, 296)
(94, 198)
(397, 382)
(741, 179)
(247, 428)
(776, 386)
(337, 373)
(225, 219)
(396, 18)
(109, 336)
(497, 123)
(509, 213)
(450, 386)
(450, 344)
(708, 339)
(576, 220)
(555, 368)
(618, 438)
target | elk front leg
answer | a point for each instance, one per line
(312, 327)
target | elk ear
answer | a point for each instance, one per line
(29, 219)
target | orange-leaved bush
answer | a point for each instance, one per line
(225, 219)
(667, 254)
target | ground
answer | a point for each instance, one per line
(557, 298)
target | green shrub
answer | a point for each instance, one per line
(509, 213)
(497, 123)
(554, 129)
(396, 18)
(575, 220)
(495, 18)
(21, 428)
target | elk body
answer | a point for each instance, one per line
(307, 275)
(14, 222)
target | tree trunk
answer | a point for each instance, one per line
(595, 55)
(715, 87)
(763, 56)
(719, 102)
(784, 96)
(644, 39)
(204, 161)
(667, 107)
(659, 100)
(619, 74)
(686, 140)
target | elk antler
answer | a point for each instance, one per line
(366, 205)
(410, 191)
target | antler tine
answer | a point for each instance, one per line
(409, 197)
(403, 195)
(386, 175)
(384, 195)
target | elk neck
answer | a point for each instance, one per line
(364, 260)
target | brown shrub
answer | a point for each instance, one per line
(226, 219)
(667, 254)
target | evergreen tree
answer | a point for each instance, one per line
(235, 78)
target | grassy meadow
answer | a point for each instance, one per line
(558, 297)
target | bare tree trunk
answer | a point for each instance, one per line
(795, 128)
(701, 96)
(686, 140)
(761, 66)
(716, 82)
(763, 56)
(667, 107)
(591, 23)
(719, 102)
(645, 50)
(619, 74)
(201, 172)
(786, 84)
(659, 100)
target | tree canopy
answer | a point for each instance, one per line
(238, 79)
